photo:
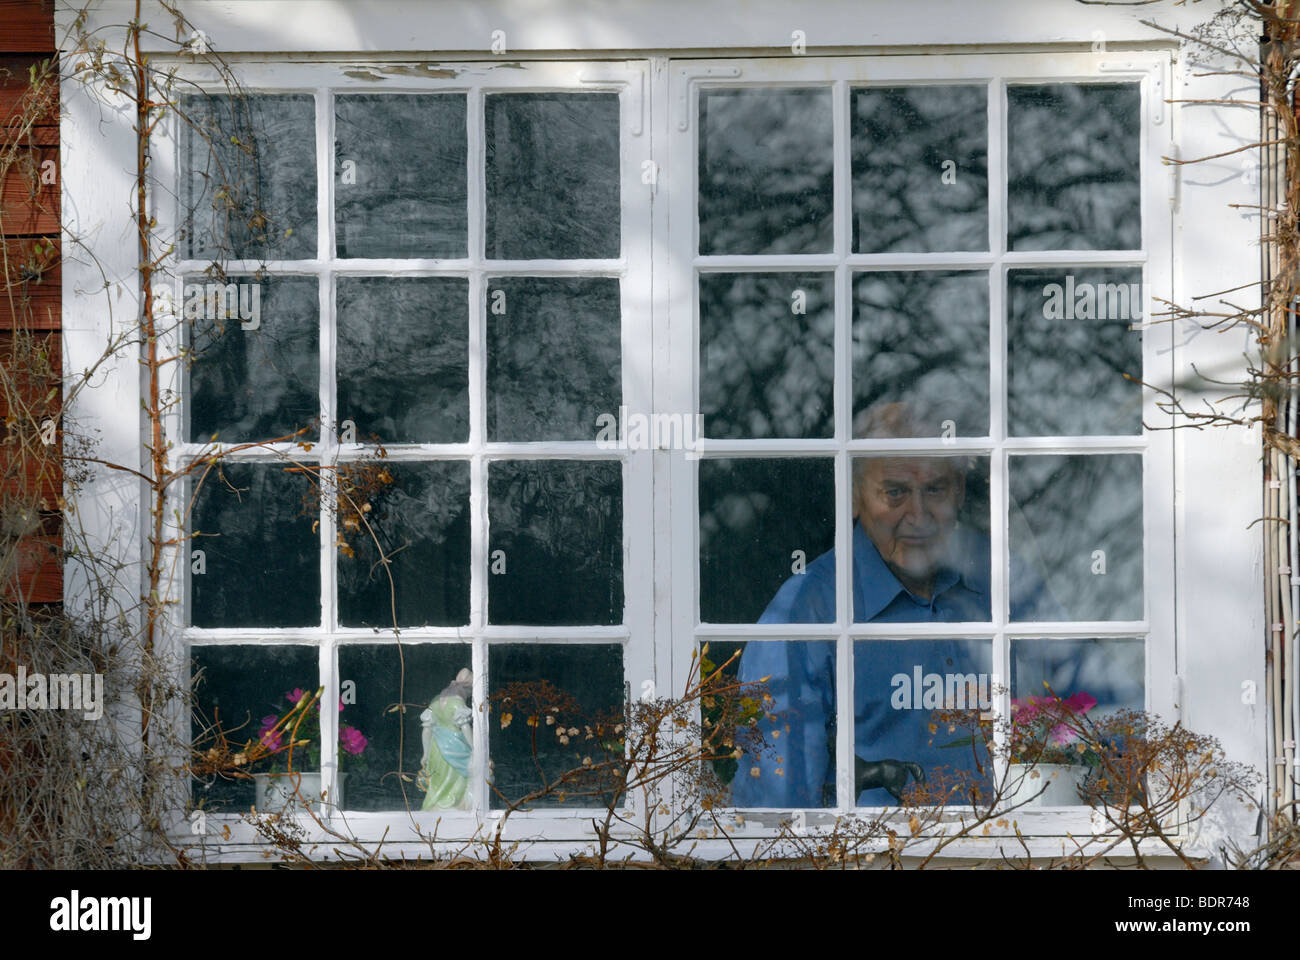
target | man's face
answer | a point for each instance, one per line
(908, 507)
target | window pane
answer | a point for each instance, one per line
(256, 369)
(403, 358)
(766, 171)
(922, 337)
(899, 742)
(236, 690)
(767, 527)
(1096, 679)
(431, 735)
(1109, 671)
(552, 176)
(921, 539)
(1078, 519)
(556, 542)
(259, 564)
(920, 169)
(1073, 167)
(795, 766)
(1069, 347)
(767, 354)
(399, 175)
(248, 175)
(421, 518)
(553, 356)
(571, 694)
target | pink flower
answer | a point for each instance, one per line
(1081, 702)
(351, 739)
(1061, 735)
(1024, 709)
(270, 737)
(296, 694)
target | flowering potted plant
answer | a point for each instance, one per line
(292, 739)
(1048, 760)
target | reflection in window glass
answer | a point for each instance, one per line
(920, 537)
(1073, 170)
(766, 530)
(1079, 519)
(554, 352)
(767, 354)
(241, 692)
(1070, 349)
(403, 358)
(256, 370)
(259, 558)
(901, 689)
(550, 703)
(766, 171)
(922, 337)
(399, 175)
(430, 739)
(248, 177)
(1109, 671)
(795, 767)
(556, 542)
(920, 169)
(552, 175)
(421, 519)
(1080, 741)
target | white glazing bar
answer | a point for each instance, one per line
(843, 233)
(478, 768)
(476, 203)
(998, 549)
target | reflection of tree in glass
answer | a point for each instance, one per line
(1068, 376)
(920, 168)
(921, 337)
(766, 171)
(765, 370)
(754, 513)
(1063, 509)
(1072, 166)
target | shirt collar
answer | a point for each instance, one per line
(876, 586)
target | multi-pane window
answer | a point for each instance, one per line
(920, 346)
(424, 306)
(909, 312)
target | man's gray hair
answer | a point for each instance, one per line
(896, 420)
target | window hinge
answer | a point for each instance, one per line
(1156, 82)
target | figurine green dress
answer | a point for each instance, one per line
(447, 735)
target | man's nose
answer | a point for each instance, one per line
(914, 507)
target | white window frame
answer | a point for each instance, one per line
(997, 71)
(1193, 675)
(631, 268)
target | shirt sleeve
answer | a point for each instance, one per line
(796, 764)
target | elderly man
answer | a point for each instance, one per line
(913, 561)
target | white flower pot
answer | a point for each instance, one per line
(1045, 784)
(278, 791)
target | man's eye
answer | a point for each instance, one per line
(895, 493)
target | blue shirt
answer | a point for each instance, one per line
(894, 680)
